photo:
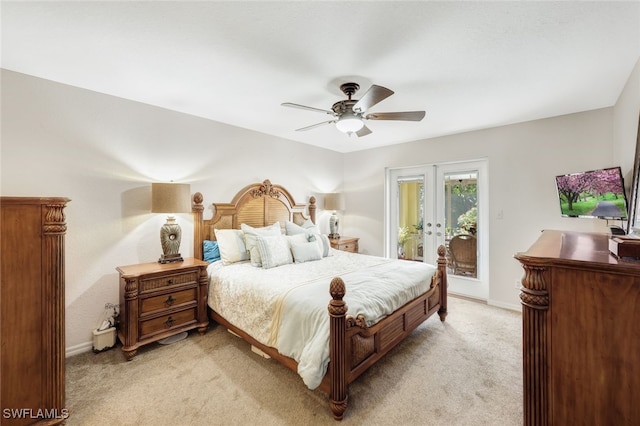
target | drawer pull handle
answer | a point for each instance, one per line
(169, 301)
(170, 281)
(169, 322)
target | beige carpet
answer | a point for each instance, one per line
(465, 371)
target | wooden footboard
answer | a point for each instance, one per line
(354, 347)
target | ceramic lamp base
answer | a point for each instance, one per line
(170, 236)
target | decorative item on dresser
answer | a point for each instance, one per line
(161, 300)
(349, 244)
(354, 344)
(32, 358)
(581, 340)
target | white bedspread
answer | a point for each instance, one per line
(286, 307)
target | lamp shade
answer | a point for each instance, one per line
(334, 201)
(170, 198)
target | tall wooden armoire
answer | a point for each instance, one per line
(32, 286)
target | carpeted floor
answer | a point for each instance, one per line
(465, 371)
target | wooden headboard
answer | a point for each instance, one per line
(257, 205)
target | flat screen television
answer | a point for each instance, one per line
(593, 194)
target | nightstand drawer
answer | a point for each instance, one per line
(167, 301)
(171, 280)
(349, 244)
(352, 247)
(167, 322)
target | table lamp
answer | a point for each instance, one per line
(170, 198)
(333, 201)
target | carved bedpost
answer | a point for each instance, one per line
(312, 209)
(535, 305)
(197, 208)
(337, 348)
(442, 269)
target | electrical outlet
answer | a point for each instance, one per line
(518, 284)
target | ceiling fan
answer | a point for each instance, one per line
(349, 114)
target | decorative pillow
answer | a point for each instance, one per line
(231, 245)
(250, 234)
(297, 239)
(309, 227)
(274, 250)
(211, 251)
(326, 245)
(306, 252)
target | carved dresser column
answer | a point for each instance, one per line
(535, 306)
(32, 320)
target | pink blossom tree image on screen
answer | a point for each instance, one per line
(598, 193)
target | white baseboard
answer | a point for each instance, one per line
(510, 306)
(79, 349)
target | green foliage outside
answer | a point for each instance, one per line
(464, 210)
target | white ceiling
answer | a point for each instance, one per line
(470, 65)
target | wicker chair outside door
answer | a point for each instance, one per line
(464, 255)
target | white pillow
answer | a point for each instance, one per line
(306, 252)
(297, 239)
(292, 228)
(309, 227)
(274, 250)
(250, 234)
(231, 245)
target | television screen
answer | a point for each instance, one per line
(593, 194)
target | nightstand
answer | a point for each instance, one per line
(160, 300)
(345, 244)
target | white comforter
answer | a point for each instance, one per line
(286, 307)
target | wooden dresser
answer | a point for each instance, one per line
(581, 332)
(349, 244)
(32, 285)
(161, 300)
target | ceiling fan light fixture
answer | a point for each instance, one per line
(349, 123)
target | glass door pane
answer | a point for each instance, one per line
(409, 209)
(461, 222)
(410, 218)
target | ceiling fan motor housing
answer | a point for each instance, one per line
(345, 106)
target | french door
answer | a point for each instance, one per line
(441, 204)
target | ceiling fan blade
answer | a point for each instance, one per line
(313, 126)
(292, 105)
(374, 95)
(404, 116)
(363, 132)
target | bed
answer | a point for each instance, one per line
(351, 342)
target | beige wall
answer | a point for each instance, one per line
(523, 161)
(625, 124)
(103, 152)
